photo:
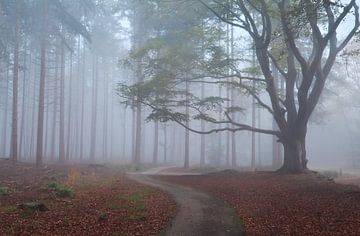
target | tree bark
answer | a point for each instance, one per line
(187, 134)
(156, 142)
(94, 109)
(294, 156)
(55, 105)
(70, 104)
(25, 90)
(14, 124)
(105, 117)
(6, 108)
(165, 143)
(40, 128)
(62, 106)
(82, 104)
(202, 140)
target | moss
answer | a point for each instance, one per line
(60, 190)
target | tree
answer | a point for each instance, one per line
(311, 23)
(293, 113)
(14, 126)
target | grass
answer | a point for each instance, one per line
(60, 190)
(351, 189)
(134, 202)
(8, 209)
(136, 218)
(103, 216)
(5, 190)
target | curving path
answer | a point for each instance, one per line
(198, 213)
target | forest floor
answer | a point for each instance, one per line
(79, 200)
(274, 204)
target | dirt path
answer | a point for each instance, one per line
(198, 214)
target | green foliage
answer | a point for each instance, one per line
(30, 207)
(60, 190)
(8, 209)
(103, 216)
(136, 218)
(4, 190)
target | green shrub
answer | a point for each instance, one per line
(4, 190)
(60, 190)
(103, 216)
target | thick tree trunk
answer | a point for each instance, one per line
(40, 127)
(294, 156)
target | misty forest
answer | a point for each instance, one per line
(179, 117)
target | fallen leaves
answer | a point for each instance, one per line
(272, 204)
(139, 210)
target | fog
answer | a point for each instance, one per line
(97, 53)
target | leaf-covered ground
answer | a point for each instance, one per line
(273, 204)
(81, 200)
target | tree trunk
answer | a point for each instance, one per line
(14, 124)
(294, 156)
(25, 90)
(105, 117)
(202, 140)
(165, 144)
(187, 147)
(82, 104)
(55, 106)
(70, 105)
(62, 106)
(94, 109)
(6, 108)
(156, 142)
(40, 128)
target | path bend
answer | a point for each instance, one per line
(198, 213)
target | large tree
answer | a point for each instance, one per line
(308, 32)
(304, 74)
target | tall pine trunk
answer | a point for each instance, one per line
(6, 108)
(105, 117)
(25, 91)
(187, 134)
(70, 107)
(55, 105)
(40, 127)
(202, 139)
(62, 106)
(14, 123)
(94, 109)
(82, 104)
